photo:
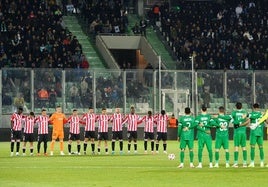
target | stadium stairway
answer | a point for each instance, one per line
(156, 42)
(93, 58)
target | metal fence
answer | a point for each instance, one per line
(143, 89)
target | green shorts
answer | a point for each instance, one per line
(256, 139)
(205, 141)
(240, 139)
(222, 141)
(184, 143)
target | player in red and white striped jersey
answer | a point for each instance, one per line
(148, 130)
(28, 133)
(16, 125)
(90, 120)
(162, 122)
(74, 134)
(133, 120)
(117, 130)
(42, 121)
(103, 120)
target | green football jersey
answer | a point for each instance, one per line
(206, 120)
(254, 117)
(222, 123)
(189, 122)
(239, 117)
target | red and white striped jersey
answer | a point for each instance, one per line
(74, 124)
(132, 121)
(90, 119)
(17, 121)
(117, 120)
(42, 122)
(162, 121)
(148, 123)
(103, 122)
(29, 125)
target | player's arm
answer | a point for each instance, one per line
(81, 121)
(200, 128)
(199, 125)
(141, 120)
(225, 117)
(125, 120)
(213, 123)
(245, 123)
(66, 120)
(179, 130)
(263, 118)
(11, 123)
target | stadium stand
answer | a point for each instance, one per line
(229, 35)
(33, 35)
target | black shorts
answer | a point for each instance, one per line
(28, 137)
(117, 135)
(148, 135)
(73, 136)
(15, 135)
(42, 138)
(103, 136)
(89, 134)
(161, 136)
(132, 135)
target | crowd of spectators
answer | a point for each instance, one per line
(108, 16)
(225, 35)
(33, 35)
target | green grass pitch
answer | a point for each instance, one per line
(124, 170)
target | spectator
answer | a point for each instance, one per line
(19, 101)
(225, 34)
(74, 95)
(143, 25)
(43, 97)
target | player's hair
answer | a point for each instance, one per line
(150, 112)
(187, 110)
(221, 109)
(204, 108)
(132, 107)
(20, 108)
(74, 110)
(163, 112)
(90, 107)
(238, 105)
(31, 113)
(256, 105)
(44, 110)
(58, 106)
(103, 109)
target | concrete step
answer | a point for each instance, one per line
(73, 25)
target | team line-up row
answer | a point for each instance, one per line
(58, 119)
(187, 123)
(240, 119)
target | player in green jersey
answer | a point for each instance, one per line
(222, 136)
(203, 122)
(239, 120)
(186, 136)
(256, 135)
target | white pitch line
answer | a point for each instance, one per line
(86, 167)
